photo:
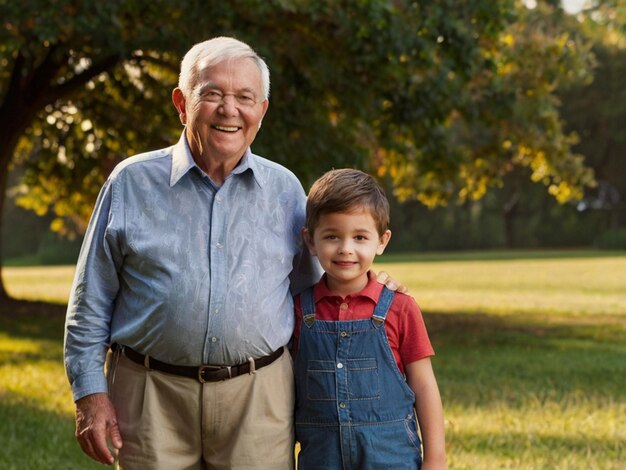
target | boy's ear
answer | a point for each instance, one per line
(384, 239)
(308, 240)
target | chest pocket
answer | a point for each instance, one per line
(357, 379)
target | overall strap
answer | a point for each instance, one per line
(382, 307)
(307, 302)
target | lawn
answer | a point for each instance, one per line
(531, 360)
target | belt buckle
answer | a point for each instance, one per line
(201, 370)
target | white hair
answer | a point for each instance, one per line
(213, 52)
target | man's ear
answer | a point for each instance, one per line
(384, 239)
(266, 104)
(308, 240)
(179, 103)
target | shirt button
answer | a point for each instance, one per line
(218, 199)
(219, 245)
(339, 365)
(343, 306)
(216, 310)
(213, 339)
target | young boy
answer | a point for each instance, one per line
(362, 353)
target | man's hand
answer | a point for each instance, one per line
(384, 278)
(95, 422)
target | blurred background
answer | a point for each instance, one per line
(491, 123)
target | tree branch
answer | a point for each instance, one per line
(37, 82)
(59, 91)
(12, 94)
(174, 67)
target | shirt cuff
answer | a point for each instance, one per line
(88, 384)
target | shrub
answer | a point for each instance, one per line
(611, 240)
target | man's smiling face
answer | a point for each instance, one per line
(221, 130)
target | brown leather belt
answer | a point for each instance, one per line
(201, 373)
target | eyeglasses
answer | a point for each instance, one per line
(243, 99)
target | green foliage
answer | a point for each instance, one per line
(504, 115)
(430, 93)
(537, 220)
(611, 240)
(77, 107)
(596, 111)
(31, 230)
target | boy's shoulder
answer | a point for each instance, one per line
(404, 303)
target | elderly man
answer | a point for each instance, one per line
(184, 278)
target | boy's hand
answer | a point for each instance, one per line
(385, 279)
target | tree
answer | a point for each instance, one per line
(56, 57)
(420, 91)
(597, 111)
(506, 111)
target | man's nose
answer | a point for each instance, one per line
(228, 105)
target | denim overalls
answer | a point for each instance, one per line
(354, 409)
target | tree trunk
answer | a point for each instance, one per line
(509, 214)
(29, 90)
(5, 154)
(11, 128)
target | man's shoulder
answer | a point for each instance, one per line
(155, 159)
(271, 169)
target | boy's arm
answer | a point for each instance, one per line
(421, 379)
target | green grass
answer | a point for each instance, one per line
(49, 283)
(36, 409)
(531, 355)
(531, 360)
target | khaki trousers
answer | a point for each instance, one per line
(170, 422)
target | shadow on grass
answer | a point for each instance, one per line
(31, 319)
(36, 439)
(480, 357)
(485, 360)
(32, 437)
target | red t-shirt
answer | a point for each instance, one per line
(404, 324)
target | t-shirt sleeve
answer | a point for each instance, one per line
(413, 341)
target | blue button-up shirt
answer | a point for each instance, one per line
(185, 271)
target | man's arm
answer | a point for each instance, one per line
(90, 306)
(87, 334)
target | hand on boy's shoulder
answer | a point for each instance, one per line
(390, 283)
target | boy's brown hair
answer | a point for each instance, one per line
(346, 190)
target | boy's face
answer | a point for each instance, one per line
(346, 244)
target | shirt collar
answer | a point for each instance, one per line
(182, 162)
(248, 162)
(372, 290)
